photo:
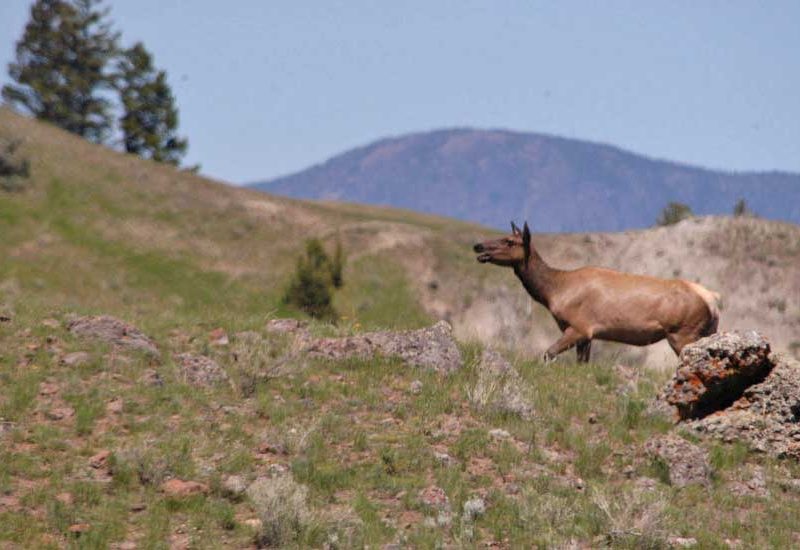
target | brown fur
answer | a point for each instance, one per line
(593, 303)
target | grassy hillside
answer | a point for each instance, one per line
(375, 444)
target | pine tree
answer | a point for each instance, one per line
(310, 288)
(150, 118)
(60, 66)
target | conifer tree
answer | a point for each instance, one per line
(150, 118)
(60, 66)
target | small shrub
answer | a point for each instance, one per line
(741, 209)
(13, 170)
(673, 213)
(282, 505)
(311, 287)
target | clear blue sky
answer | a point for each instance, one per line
(267, 87)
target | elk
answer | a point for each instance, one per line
(593, 303)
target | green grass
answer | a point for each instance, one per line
(178, 256)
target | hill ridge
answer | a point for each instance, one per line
(491, 175)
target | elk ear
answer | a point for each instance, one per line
(514, 229)
(526, 242)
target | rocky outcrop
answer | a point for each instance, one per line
(500, 387)
(200, 370)
(686, 462)
(716, 370)
(431, 348)
(767, 415)
(113, 331)
(731, 387)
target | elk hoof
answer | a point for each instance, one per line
(548, 357)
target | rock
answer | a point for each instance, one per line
(48, 388)
(218, 337)
(435, 497)
(415, 387)
(180, 488)
(443, 458)
(79, 528)
(76, 359)
(234, 487)
(473, 509)
(113, 331)
(100, 459)
(716, 370)
(270, 447)
(150, 377)
(287, 326)
(500, 388)
(687, 463)
(754, 485)
(50, 323)
(60, 413)
(767, 415)
(432, 348)
(200, 370)
(253, 523)
(115, 406)
(498, 433)
(682, 542)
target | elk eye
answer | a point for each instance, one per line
(509, 242)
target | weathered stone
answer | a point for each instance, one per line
(687, 463)
(218, 337)
(100, 459)
(150, 377)
(234, 487)
(499, 433)
(200, 370)
(60, 413)
(716, 370)
(500, 388)
(286, 326)
(109, 329)
(682, 542)
(753, 484)
(180, 488)
(435, 497)
(767, 415)
(473, 509)
(76, 359)
(416, 387)
(432, 348)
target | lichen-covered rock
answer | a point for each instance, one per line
(110, 329)
(500, 387)
(716, 370)
(287, 326)
(767, 415)
(687, 463)
(432, 348)
(200, 370)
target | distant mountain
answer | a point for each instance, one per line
(557, 184)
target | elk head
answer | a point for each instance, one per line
(511, 251)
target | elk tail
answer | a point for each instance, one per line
(712, 300)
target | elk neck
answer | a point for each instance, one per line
(538, 278)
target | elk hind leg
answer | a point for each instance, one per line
(584, 350)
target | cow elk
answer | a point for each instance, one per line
(592, 303)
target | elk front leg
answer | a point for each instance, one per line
(567, 340)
